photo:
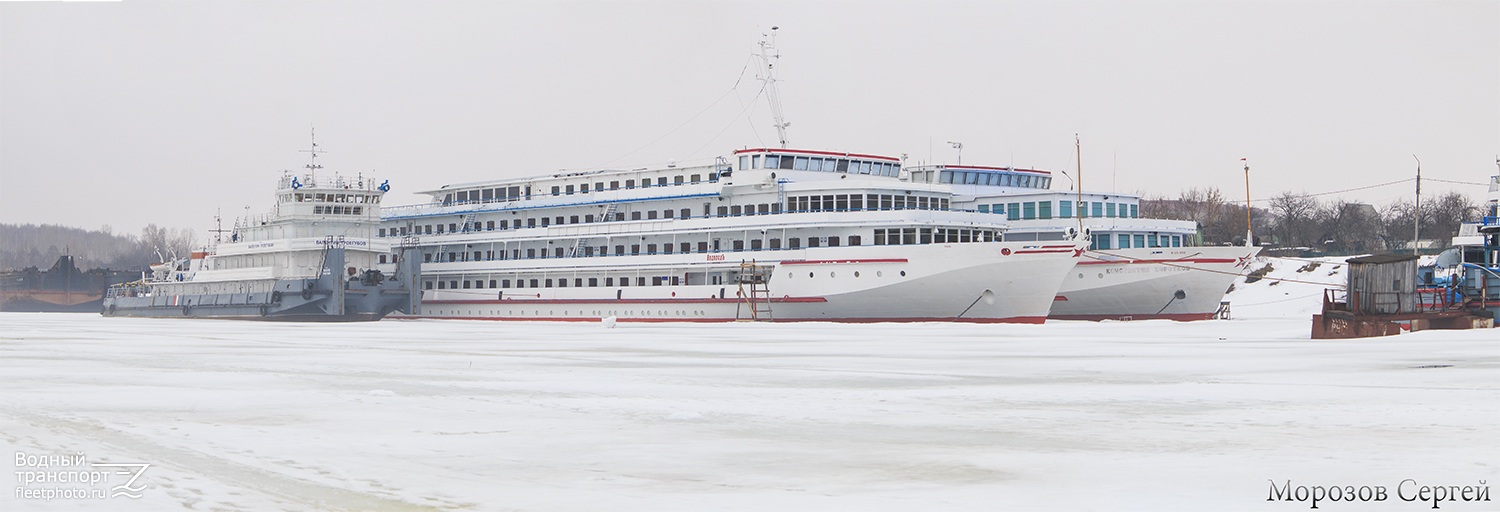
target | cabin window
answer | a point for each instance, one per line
(702, 247)
(677, 180)
(772, 162)
(667, 214)
(723, 211)
(695, 178)
(635, 215)
(1124, 241)
(556, 189)
(662, 181)
(573, 219)
(651, 215)
(650, 248)
(666, 248)
(614, 185)
(686, 247)
(562, 283)
(442, 285)
(548, 283)
(735, 210)
(629, 183)
(635, 249)
(583, 188)
(619, 250)
(557, 252)
(775, 244)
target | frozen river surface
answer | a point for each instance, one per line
(443, 415)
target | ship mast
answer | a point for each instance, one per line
(312, 164)
(1078, 153)
(769, 54)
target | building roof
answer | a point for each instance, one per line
(1382, 258)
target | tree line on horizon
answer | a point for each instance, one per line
(1305, 223)
(32, 245)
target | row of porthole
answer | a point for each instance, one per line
(566, 313)
(878, 273)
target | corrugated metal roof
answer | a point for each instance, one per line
(1382, 258)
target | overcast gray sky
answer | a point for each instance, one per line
(134, 113)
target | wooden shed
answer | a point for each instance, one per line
(1383, 284)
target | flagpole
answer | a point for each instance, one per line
(1249, 235)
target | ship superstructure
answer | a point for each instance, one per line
(785, 234)
(313, 257)
(1135, 268)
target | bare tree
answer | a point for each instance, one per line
(1296, 219)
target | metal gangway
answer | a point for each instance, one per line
(754, 293)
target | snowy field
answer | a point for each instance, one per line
(469, 415)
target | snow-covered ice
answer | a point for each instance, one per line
(443, 415)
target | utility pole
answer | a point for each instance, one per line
(1416, 222)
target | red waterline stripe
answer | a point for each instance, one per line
(815, 152)
(1038, 251)
(1139, 262)
(1011, 320)
(1180, 317)
(989, 168)
(821, 262)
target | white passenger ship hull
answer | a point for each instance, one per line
(962, 282)
(1142, 283)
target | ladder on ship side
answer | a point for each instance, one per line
(471, 222)
(604, 217)
(754, 293)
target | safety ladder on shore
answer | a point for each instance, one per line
(754, 293)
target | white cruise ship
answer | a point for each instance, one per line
(775, 234)
(1135, 268)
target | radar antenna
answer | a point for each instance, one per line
(768, 55)
(312, 164)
